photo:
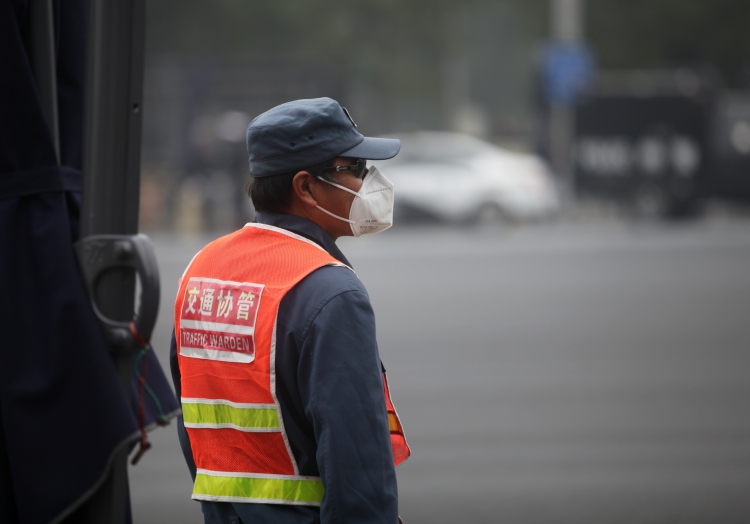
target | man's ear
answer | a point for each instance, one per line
(304, 189)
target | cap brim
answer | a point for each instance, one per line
(374, 149)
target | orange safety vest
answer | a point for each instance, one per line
(225, 327)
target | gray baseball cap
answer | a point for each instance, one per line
(303, 133)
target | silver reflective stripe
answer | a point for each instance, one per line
(216, 326)
(216, 354)
(190, 400)
(255, 475)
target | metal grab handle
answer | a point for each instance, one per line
(98, 254)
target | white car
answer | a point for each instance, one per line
(459, 178)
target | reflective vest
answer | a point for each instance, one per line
(225, 328)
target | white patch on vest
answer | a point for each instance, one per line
(217, 320)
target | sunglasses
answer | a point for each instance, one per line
(360, 168)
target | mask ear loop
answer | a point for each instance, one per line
(328, 212)
(338, 186)
(336, 216)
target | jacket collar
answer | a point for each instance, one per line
(305, 228)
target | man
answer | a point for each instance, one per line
(286, 411)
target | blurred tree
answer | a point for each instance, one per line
(399, 54)
(672, 33)
(399, 45)
(396, 49)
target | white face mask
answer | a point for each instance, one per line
(372, 209)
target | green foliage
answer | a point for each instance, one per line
(398, 49)
(625, 33)
(383, 42)
(669, 33)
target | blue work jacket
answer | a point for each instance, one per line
(329, 387)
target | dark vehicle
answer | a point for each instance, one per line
(729, 164)
(644, 138)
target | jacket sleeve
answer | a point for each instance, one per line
(342, 393)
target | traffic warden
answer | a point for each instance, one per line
(287, 416)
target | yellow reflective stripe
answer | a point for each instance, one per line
(393, 423)
(224, 414)
(270, 490)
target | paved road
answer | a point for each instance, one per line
(572, 373)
